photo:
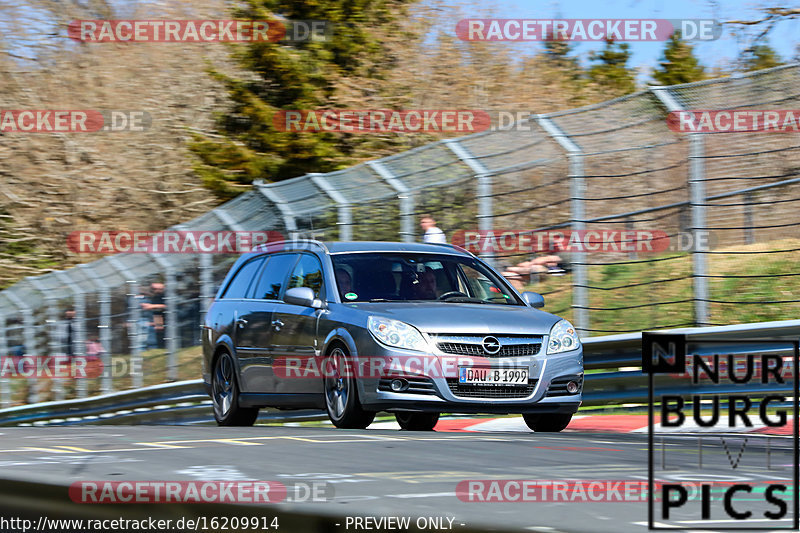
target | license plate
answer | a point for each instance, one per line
(492, 376)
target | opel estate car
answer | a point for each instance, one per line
(361, 327)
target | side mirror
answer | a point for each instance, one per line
(302, 296)
(534, 299)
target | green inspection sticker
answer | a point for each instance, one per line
(351, 296)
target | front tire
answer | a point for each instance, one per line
(547, 423)
(341, 393)
(225, 395)
(417, 421)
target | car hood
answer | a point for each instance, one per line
(464, 318)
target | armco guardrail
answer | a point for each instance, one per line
(618, 356)
(183, 401)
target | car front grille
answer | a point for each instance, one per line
(415, 385)
(463, 390)
(510, 346)
(558, 387)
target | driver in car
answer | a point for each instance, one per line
(426, 285)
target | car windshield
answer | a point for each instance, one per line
(393, 276)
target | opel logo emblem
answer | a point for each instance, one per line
(491, 345)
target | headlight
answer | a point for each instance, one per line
(397, 334)
(563, 338)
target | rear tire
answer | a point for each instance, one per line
(547, 423)
(417, 421)
(225, 395)
(341, 392)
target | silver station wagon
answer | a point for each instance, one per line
(361, 327)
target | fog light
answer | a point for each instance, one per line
(572, 387)
(398, 385)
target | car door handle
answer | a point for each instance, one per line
(277, 323)
(241, 322)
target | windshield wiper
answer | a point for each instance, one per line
(379, 300)
(465, 300)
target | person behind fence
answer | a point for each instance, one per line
(66, 333)
(546, 264)
(433, 235)
(153, 308)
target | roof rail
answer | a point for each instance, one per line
(292, 244)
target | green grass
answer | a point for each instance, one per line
(612, 289)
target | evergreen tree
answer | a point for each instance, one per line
(611, 72)
(678, 65)
(307, 75)
(759, 57)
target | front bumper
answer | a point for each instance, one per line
(542, 395)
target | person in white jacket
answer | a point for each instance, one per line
(432, 233)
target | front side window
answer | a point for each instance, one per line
(388, 276)
(273, 277)
(307, 273)
(238, 286)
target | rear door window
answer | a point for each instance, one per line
(273, 277)
(238, 286)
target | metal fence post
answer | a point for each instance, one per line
(697, 192)
(79, 338)
(697, 200)
(405, 196)
(170, 317)
(53, 330)
(106, 384)
(345, 221)
(5, 389)
(577, 188)
(289, 219)
(483, 189)
(134, 317)
(749, 232)
(29, 343)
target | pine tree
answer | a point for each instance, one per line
(611, 72)
(678, 65)
(307, 75)
(760, 56)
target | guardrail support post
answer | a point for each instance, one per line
(483, 190)
(406, 197)
(577, 187)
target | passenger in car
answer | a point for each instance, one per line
(343, 281)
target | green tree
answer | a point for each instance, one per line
(679, 64)
(760, 56)
(610, 71)
(341, 70)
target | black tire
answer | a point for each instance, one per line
(417, 421)
(547, 423)
(225, 395)
(341, 393)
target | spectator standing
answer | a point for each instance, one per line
(433, 235)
